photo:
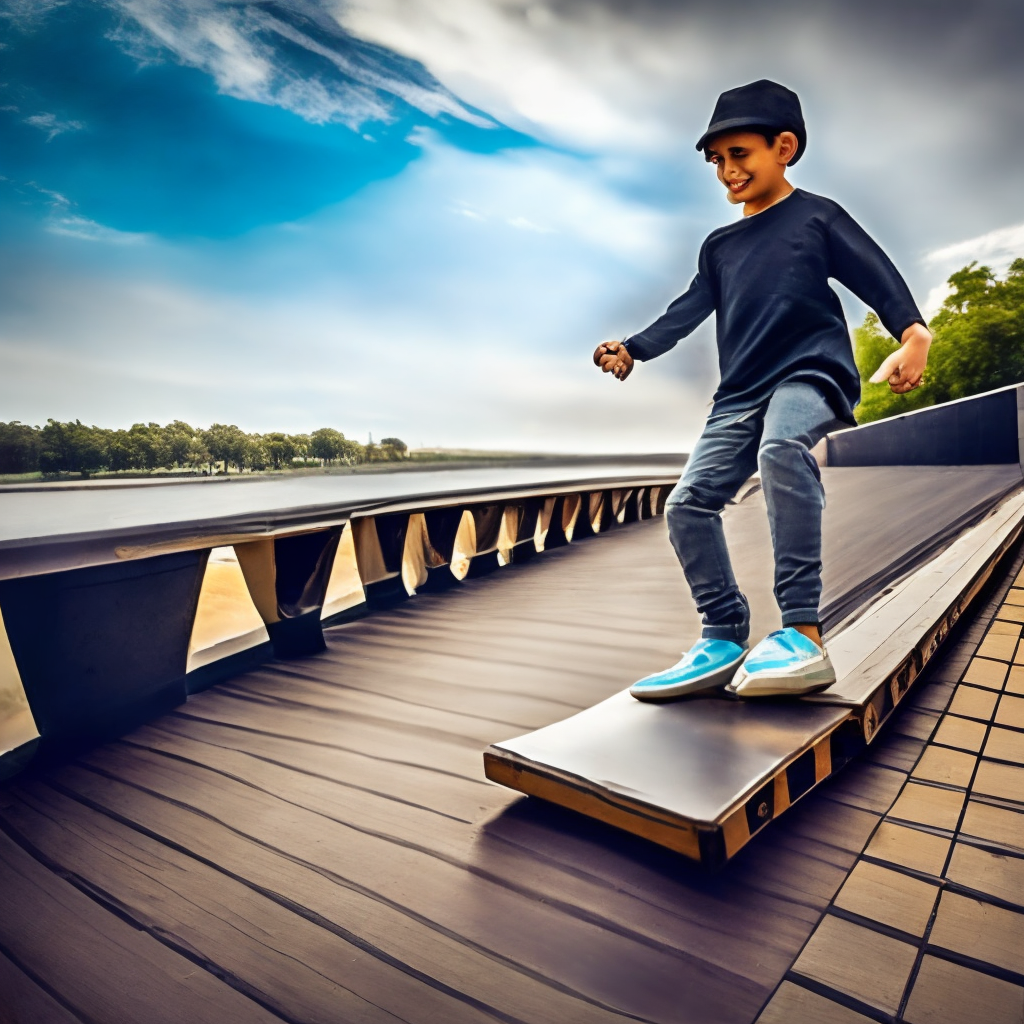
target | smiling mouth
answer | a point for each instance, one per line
(738, 186)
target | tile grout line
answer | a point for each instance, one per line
(942, 887)
(980, 626)
(820, 988)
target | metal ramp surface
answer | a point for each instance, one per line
(702, 776)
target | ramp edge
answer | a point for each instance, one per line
(713, 843)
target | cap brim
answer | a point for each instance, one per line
(736, 123)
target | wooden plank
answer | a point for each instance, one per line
(338, 701)
(25, 1002)
(895, 751)
(800, 868)
(418, 785)
(870, 787)
(961, 733)
(366, 734)
(494, 688)
(300, 970)
(499, 937)
(443, 689)
(381, 923)
(683, 918)
(973, 702)
(558, 877)
(102, 967)
(1005, 745)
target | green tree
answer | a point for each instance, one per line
(352, 452)
(327, 444)
(280, 448)
(152, 444)
(72, 448)
(20, 446)
(184, 444)
(227, 443)
(978, 344)
(979, 332)
(393, 448)
(257, 456)
(123, 451)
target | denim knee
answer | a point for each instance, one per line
(778, 457)
(694, 498)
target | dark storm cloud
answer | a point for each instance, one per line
(914, 108)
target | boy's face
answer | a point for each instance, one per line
(747, 166)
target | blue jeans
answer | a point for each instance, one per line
(776, 439)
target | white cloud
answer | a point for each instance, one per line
(52, 125)
(994, 247)
(239, 45)
(55, 199)
(89, 231)
(527, 225)
(564, 80)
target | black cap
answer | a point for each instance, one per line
(759, 105)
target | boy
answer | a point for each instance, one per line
(788, 377)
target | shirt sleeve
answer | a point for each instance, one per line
(857, 261)
(685, 314)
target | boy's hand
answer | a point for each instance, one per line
(905, 367)
(614, 359)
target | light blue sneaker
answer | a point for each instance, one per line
(705, 666)
(784, 664)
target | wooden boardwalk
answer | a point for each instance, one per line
(314, 841)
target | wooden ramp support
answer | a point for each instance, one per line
(702, 776)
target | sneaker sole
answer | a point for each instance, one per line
(754, 685)
(670, 691)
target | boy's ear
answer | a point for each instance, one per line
(788, 144)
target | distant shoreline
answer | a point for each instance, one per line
(423, 461)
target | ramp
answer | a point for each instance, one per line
(703, 776)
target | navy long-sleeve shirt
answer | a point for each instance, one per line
(766, 279)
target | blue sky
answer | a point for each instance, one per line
(418, 219)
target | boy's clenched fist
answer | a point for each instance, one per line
(613, 358)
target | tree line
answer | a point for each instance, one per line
(73, 447)
(978, 344)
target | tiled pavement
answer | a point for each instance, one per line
(929, 926)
